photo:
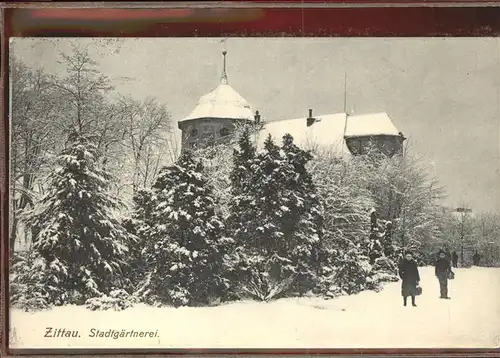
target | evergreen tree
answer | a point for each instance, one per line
(277, 215)
(304, 219)
(242, 207)
(30, 286)
(139, 226)
(185, 247)
(77, 236)
(243, 159)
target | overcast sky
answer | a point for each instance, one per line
(441, 93)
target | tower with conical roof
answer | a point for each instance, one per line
(215, 116)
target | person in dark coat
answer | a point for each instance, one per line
(454, 258)
(408, 272)
(447, 253)
(476, 258)
(442, 270)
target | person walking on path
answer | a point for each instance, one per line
(476, 258)
(447, 253)
(408, 272)
(442, 271)
(454, 258)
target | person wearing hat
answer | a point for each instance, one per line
(408, 272)
(454, 259)
(443, 271)
(475, 258)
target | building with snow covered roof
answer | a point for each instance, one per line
(219, 112)
(215, 116)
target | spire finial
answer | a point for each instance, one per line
(224, 74)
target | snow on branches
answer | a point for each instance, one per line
(79, 244)
(185, 243)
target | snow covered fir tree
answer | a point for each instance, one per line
(184, 245)
(79, 247)
(245, 208)
(276, 215)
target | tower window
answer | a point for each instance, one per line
(224, 132)
(194, 132)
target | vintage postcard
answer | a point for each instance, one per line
(254, 193)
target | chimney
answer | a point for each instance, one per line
(310, 119)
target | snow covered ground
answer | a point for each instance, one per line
(367, 320)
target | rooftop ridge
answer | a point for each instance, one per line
(331, 114)
(315, 116)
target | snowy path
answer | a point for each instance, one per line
(367, 320)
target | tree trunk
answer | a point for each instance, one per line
(13, 234)
(462, 251)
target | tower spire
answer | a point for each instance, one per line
(223, 78)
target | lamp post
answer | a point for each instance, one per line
(463, 213)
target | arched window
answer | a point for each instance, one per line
(224, 132)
